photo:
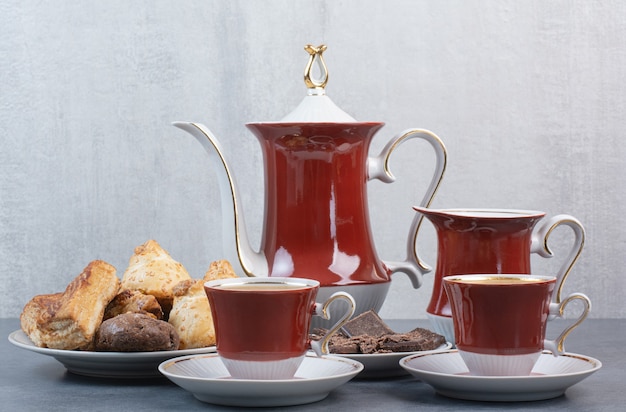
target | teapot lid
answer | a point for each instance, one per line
(316, 107)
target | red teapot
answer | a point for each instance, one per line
(316, 219)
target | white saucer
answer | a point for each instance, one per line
(106, 364)
(551, 376)
(206, 377)
(385, 365)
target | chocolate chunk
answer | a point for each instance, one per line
(342, 344)
(367, 323)
(318, 333)
(416, 340)
(368, 344)
(367, 337)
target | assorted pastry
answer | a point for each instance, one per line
(155, 306)
(158, 306)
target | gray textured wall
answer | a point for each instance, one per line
(529, 98)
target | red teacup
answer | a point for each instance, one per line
(500, 320)
(262, 324)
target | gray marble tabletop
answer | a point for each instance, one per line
(34, 382)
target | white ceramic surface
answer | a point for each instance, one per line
(385, 365)
(551, 377)
(106, 364)
(206, 377)
(499, 365)
(443, 325)
(278, 369)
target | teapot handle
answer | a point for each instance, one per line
(540, 246)
(378, 168)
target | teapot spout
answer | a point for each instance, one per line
(236, 244)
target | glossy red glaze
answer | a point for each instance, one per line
(316, 210)
(500, 319)
(262, 325)
(481, 243)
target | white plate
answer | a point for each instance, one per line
(551, 376)
(106, 364)
(206, 377)
(385, 365)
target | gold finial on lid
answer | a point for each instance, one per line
(315, 55)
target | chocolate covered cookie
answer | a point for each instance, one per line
(136, 332)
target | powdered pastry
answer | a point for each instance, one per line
(191, 312)
(152, 271)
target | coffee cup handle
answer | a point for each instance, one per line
(557, 346)
(320, 347)
(540, 246)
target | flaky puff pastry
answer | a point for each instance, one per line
(191, 312)
(69, 320)
(135, 302)
(152, 271)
